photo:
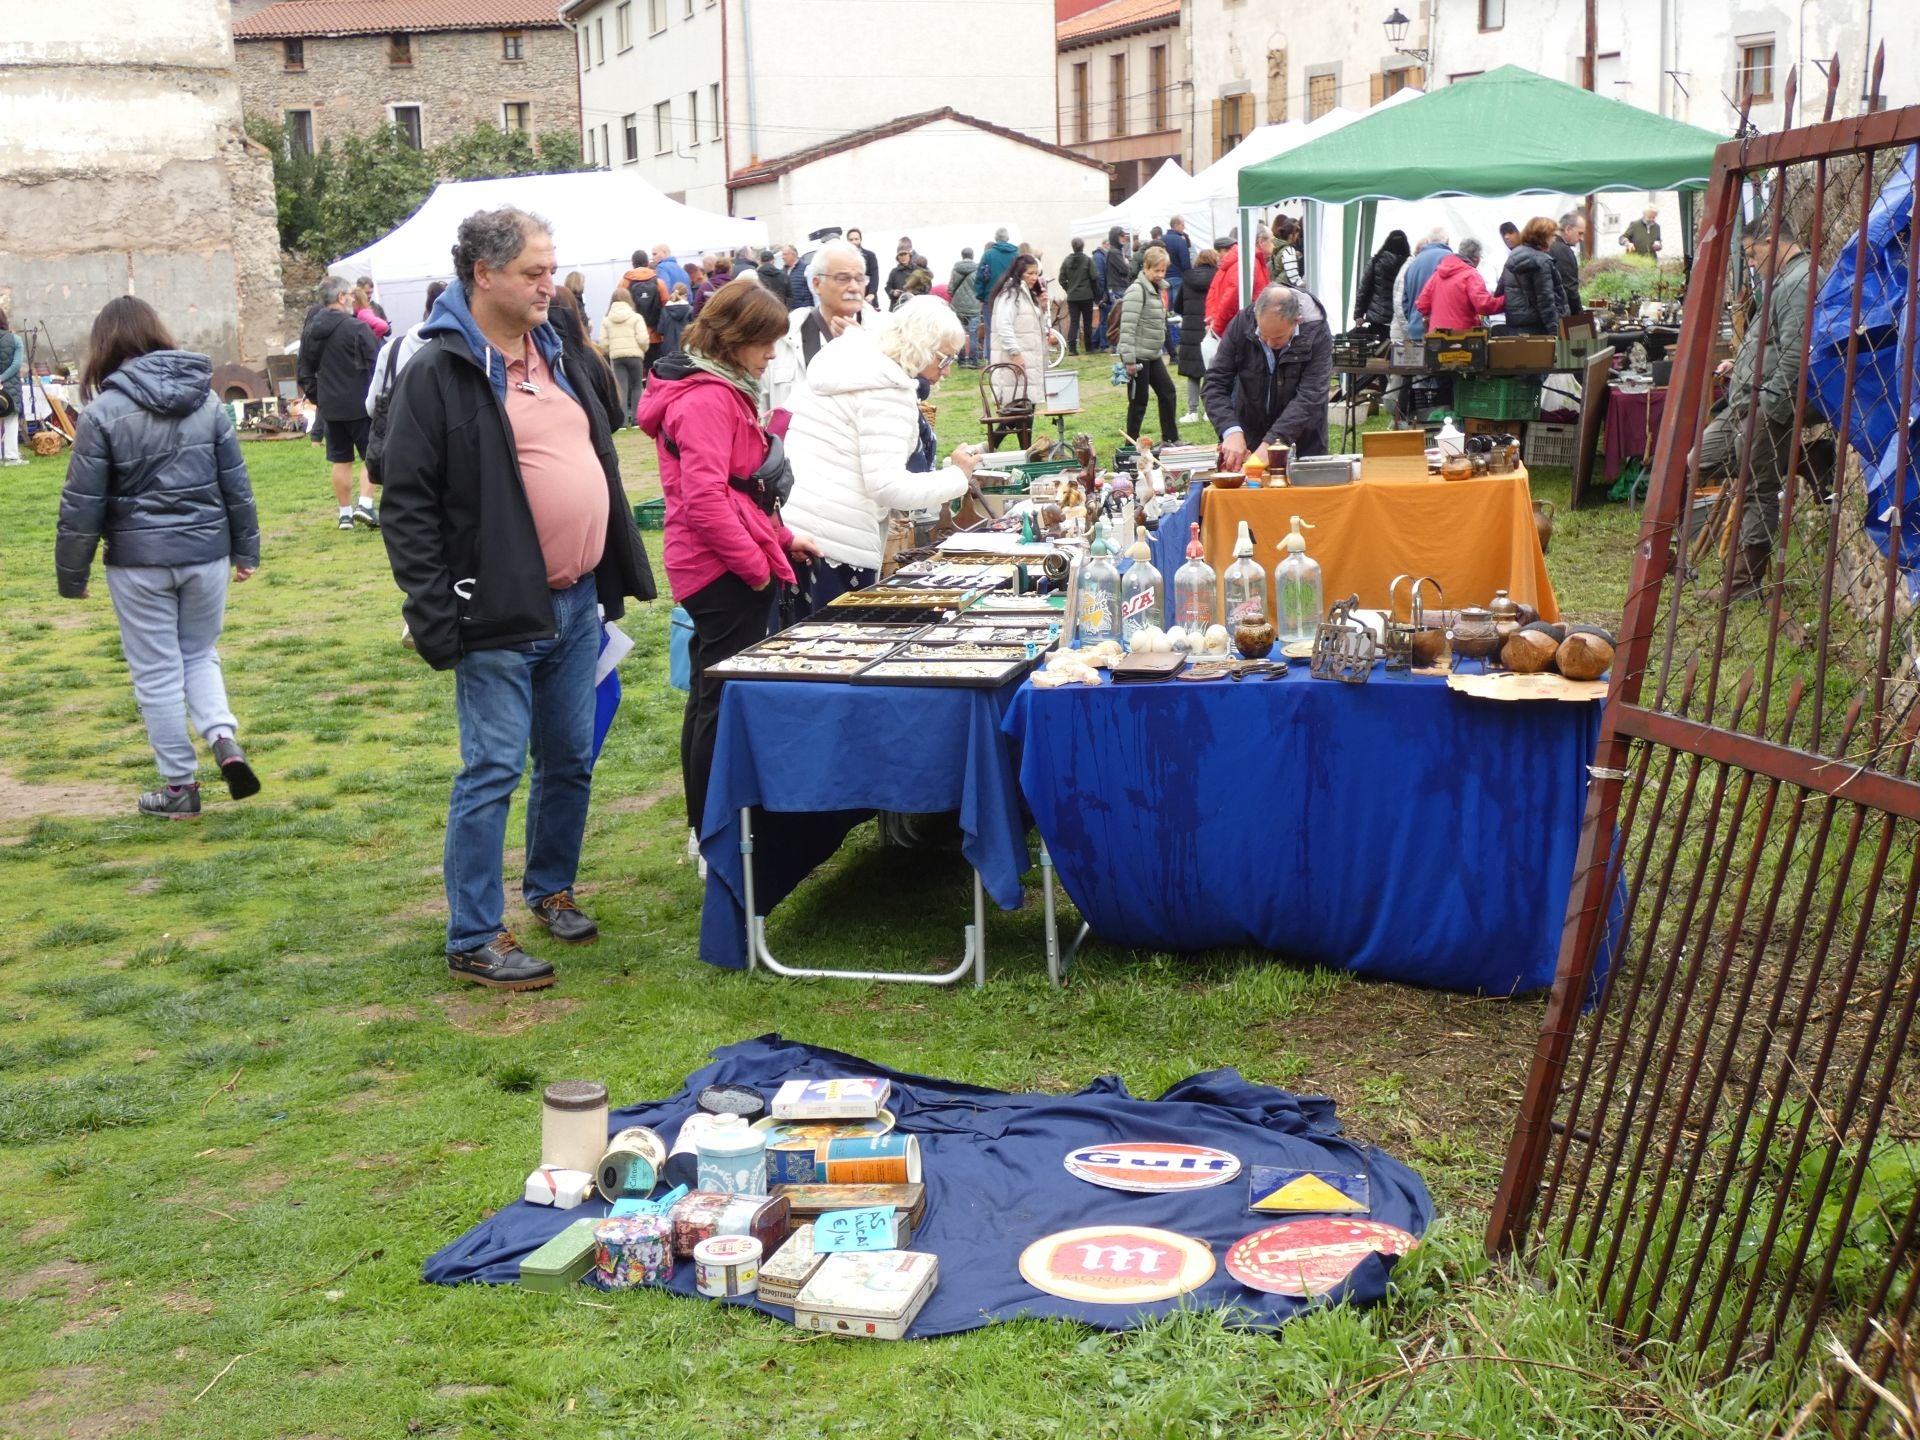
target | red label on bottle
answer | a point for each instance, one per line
(1137, 605)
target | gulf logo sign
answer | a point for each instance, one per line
(1150, 1167)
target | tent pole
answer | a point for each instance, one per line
(1246, 256)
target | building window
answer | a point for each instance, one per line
(513, 45)
(1493, 14)
(693, 117)
(586, 50)
(1157, 83)
(713, 107)
(1322, 93)
(656, 16)
(293, 54)
(689, 9)
(600, 37)
(606, 149)
(1236, 119)
(1117, 82)
(1754, 79)
(406, 119)
(663, 127)
(399, 49)
(630, 133)
(1392, 82)
(299, 132)
(590, 160)
(1080, 102)
(516, 115)
(623, 25)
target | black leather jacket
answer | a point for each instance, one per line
(157, 473)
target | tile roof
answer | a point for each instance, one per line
(1116, 16)
(783, 164)
(291, 18)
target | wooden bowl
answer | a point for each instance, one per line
(1227, 479)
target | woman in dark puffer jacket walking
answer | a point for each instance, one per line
(1374, 304)
(157, 473)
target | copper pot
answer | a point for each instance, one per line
(1543, 513)
(1506, 614)
(1474, 635)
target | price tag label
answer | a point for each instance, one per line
(871, 1228)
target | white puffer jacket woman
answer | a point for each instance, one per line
(1018, 334)
(857, 423)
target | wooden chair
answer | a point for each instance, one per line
(1017, 419)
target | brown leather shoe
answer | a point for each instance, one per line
(565, 920)
(500, 964)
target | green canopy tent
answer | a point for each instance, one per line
(1507, 132)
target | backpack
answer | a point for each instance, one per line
(647, 303)
(376, 452)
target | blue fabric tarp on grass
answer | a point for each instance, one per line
(995, 1183)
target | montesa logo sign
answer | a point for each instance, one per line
(1116, 1264)
(1121, 1256)
(1153, 1166)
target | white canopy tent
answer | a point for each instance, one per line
(599, 219)
(1154, 203)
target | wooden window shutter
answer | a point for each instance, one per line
(1417, 77)
(1276, 86)
(1376, 88)
(1218, 148)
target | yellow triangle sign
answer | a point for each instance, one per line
(1309, 1192)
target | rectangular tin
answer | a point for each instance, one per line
(811, 1200)
(875, 1294)
(705, 1213)
(793, 1163)
(559, 1264)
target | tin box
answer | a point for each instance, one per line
(633, 1250)
(785, 1273)
(874, 1294)
(559, 1264)
(725, 1265)
(792, 1162)
(705, 1213)
(811, 1200)
(875, 1159)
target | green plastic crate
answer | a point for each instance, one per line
(651, 514)
(1497, 397)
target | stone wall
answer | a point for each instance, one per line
(123, 170)
(459, 78)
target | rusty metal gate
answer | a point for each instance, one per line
(1724, 1144)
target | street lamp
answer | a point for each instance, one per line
(1396, 25)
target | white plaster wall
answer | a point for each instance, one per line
(956, 177)
(683, 57)
(1098, 58)
(191, 33)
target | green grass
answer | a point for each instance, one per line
(240, 1103)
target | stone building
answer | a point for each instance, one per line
(124, 170)
(433, 68)
(1124, 94)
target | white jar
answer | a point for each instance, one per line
(573, 1125)
(733, 1157)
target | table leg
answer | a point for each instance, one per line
(973, 959)
(1056, 966)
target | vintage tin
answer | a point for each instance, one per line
(632, 1163)
(705, 1213)
(742, 1100)
(875, 1159)
(683, 1161)
(811, 1200)
(793, 1162)
(726, 1265)
(785, 1272)
(633, 1250)
(733, 1157)
(562, 1262)
(573, 1124)
(874, 1294)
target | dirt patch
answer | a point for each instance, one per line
(146, 886)
(645, 800)
(104, 1316)
(1414, 1068)
(140, 1418)
(461, 1392)
(504, 1014)
(22, 803)
(42, 1229)
(367, 1014)
(181, 1303)
(73, 1280)
(429, 909)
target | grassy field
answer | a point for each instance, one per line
(240, 1102)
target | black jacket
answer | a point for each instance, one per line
(336, 363)
(1290, 403)
(873, 272)
(584, 362)
(454, 513)
(1077, 277)
(1567, 262)
(157, 473)
(1119, 271)
(1531, 287)
(1374, 304)
(1193, 318)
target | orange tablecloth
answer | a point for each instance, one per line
(1473, 536)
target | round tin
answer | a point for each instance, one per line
(742, 1100)
(632, 1163)
(874, 1160)
(1310, 1257)
(733, 1157)
(726, 1265)
(632, 1250)
(573, 1124)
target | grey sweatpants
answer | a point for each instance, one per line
(170, 617)
(1720, 448)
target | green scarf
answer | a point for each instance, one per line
(732, 374)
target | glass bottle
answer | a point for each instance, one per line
(1245, 583)
(1196, 591)
(1297, 587)
(1098, 615)
(1143, 594)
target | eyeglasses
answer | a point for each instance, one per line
(946, 361)
(844, 277)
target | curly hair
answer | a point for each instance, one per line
(495, 236)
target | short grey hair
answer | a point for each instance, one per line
(332, 289)
(915, 333)
(1470, 251)
(1001, 233)
(1439, 236)
(817, 266)
(1570, 219)
(495, 236)
(1279, 300)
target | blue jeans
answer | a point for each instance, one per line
(977, 337)
(538, 695)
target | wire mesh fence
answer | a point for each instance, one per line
(1721, 1130)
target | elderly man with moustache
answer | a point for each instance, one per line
(492, 437)
(1271, 377)
(837, 276)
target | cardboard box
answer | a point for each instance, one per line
(1522, 352)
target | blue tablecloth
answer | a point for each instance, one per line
(818, 758)
(1169, 542)
(1393, 829)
